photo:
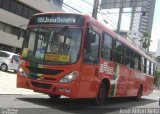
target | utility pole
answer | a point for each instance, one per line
(95, 9)
(119, 20)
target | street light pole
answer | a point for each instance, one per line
(95, 9)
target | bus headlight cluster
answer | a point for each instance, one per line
(22, 72)
(68, 78)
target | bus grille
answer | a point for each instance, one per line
(41, 85)
(45, 71)
(34, 77)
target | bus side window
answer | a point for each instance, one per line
(91, 48)
(107, 47)
(152, 69)
(142, 64)
(145, 65)
(118, 52)
(128, 59)
(148, 66)
(136, 61)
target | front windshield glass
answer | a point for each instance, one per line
(52, 45)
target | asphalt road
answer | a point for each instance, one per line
(27, 102)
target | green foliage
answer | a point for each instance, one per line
(158, 59)
(145, 40)
(157, 77)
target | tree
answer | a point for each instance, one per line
(145, 40)
(158, 59)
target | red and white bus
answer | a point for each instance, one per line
(74, 55)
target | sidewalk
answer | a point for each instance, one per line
(8, 84)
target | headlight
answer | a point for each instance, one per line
(68, 78)
(22, 72)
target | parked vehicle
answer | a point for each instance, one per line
(9, 61)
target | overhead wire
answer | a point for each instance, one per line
(112, 23)
(82, 8)
(74, 9)
(102, 13)
(66, 5)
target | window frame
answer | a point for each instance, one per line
(6, 6)
(13, 6)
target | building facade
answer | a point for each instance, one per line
(57, 2)
(142, 18)
(142, 21)
(146, 20)
(13, 14)
(158, 48)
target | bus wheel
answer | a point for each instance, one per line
(54, 97)
(139, 95)
(101, 96)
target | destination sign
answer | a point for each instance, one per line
(56, 20)
(65, 19)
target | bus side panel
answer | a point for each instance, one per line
(87, 89)
(148, 85)
(125, 82)
(88, 81)
(132, 90)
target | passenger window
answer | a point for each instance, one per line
(91, 49)
(16, 58)
(137, 61)
(142, 64)
(107, 47)
(145, 65)
(128, 61)
(152, 69)
(148, 67)
(3, 54)
(118, 52)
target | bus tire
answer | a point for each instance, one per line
(139, 94)
(54, 97)
(101, 95)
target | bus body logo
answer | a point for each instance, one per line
(105, 68)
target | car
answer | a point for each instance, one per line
(9, 61)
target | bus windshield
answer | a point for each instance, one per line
(52, 45)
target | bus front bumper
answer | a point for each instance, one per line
(68, 89)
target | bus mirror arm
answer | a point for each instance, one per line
(91, 34)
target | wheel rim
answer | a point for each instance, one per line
(4, 68)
